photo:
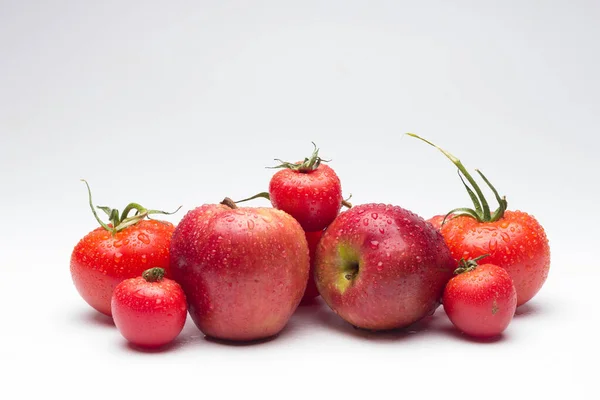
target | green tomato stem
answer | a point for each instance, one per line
(155, 274)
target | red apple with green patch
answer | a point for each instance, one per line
(243, 270)
(382, 267)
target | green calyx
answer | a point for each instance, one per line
(155, 274)
(481, 210)
(120, 221)
(309, 164)
(468, 265)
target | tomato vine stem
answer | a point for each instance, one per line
(481, 211)
(122, 221)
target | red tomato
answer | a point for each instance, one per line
(107, 255)
(309, 191)
(482, 301)
(149, 310)
(437, 221)
(514, 240)
(313, 197)
(311, 289)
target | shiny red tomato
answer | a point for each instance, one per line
(311, 289)
(117, 251)
(437, 221)
(149, 310)
(514, 240)
(312, 196)
(481, 302)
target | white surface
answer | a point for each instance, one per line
(186, 102)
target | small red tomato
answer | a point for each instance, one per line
(150, 310)
(311, 288)
(117, 251)
(309, 191)
(481, 301)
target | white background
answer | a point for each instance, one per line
(185, 102)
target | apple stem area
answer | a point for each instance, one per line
(229, 203)
(351, 270)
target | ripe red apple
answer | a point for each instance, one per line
(243, 270)
(382, 267)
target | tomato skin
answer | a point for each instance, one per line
(437, 220)
(311, 288)
(481, 302)
(149, 314)
(313, 198)
(516, 242)
(100, 261)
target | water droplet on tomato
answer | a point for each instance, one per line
(117, 257)
(493, 244)
(144, 258)
(505, 236)
(118, 243)
(142, 237)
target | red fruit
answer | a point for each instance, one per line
(313, 197)
(437, 220)
(117, 251)
(482, 301)
(244, 270)
(149, 310)
(309, 191)
(514, 240)
(382, 267)
(311, 288)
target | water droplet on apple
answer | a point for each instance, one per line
(379, 266)
(366, 221)
(374, 244)
(230, 219)
(250, 224)
(374, 215)
(381, 230)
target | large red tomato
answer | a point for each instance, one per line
(514, 240)
(122, 249)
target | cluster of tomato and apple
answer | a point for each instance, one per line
(241, 272)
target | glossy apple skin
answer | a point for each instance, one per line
(382, 267)
(243, 270)
(311, 291)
